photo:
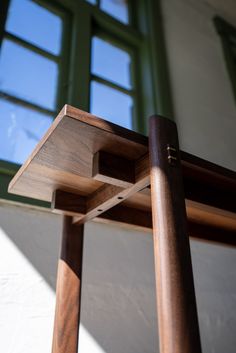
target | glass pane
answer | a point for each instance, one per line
(117, 9)
(21, 129)
(28, 75)
(110, 62)
(111, 104)
(93, 2)
(35, 24)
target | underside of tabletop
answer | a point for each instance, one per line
(91, 168)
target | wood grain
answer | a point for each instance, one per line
(112, 169)
(68, 290)
(66, 154)
(64, 159)
(108, 196)
(69, 204)
(176, 303)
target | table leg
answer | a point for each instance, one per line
(176, 303)
(68, 291)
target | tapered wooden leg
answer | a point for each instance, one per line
(176, 303)
(68, 291)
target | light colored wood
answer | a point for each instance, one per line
(176, 303)
(68, 291)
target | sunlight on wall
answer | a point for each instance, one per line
(26, 303)
(87, 343)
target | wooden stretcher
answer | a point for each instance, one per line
(89, 168)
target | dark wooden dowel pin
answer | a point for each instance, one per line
(176, 303)
(68, 291)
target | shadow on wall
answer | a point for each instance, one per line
(118, 300)
(118, 297)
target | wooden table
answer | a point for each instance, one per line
(90, 168)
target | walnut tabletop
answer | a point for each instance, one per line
(90, 168)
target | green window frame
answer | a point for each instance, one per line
(143, 38)
(227, 35)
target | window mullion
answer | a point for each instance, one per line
(63, 78)
(79, 75)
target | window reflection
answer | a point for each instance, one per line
(21, 129)
(29, 70)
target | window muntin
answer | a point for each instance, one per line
(112, 94)
(118, 9)
(110, 62)
(75, 77)
(29, 77)
(111, 104)
(35, 24)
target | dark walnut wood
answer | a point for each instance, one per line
(89, 168)
(68, 159)
(176, 303)
(112, 169)
(205, 223)
(68, 291)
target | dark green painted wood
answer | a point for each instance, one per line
(161, 81)
(3, 16)
(227, 32)
(79, 75)
(143, 38)
(25, 103)
(32, 47)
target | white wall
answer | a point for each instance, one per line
(205, 109)
(118, 295)
(118, 302)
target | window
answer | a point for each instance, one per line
(118, 9)
(29, 77)
(113, 88)
(92, 54)
(111, 83)
(228, 37)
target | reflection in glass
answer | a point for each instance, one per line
(28, 75)
(111, 104)
(93, 2)
(35, 24)
(117, 9)
(110, 62)
(21, 129)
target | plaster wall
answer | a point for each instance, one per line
(205, 109)
(118, 301)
